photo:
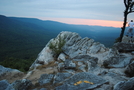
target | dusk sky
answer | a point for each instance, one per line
(87, 12)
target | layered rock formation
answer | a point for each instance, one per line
(75, 47)
(78, 64)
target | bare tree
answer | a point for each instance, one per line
(129, 8)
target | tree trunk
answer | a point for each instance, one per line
(124, 26)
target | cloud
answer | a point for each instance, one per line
(82, 9)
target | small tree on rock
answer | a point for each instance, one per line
(129, 8)
(57, 46)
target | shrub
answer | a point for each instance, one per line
(57, 46)
(117, 40)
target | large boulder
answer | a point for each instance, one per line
(44, 57)
(117, 62)
(128, 39)
(130, 69)
(113, 78)
(124, 47)
(4, 70)
(45, 79)
(82, 81)
(10, 74)
(60, 77)
(23, 84)
(4, 84)
(125, 85)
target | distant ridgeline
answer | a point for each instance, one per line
(25, 37)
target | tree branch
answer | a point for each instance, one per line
(125, 3)
(131, 8)
(132, 5)
(130, 12)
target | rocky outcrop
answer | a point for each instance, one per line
(4, 70)
(128, 39)
(44, 57)
(117, 62)
(82, 64)
(10, 74)
(75, 46)
(124, 47)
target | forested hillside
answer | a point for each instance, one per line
(21, 39)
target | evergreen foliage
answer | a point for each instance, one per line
(57, 46)
(15, 63)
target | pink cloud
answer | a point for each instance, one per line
(87, 22)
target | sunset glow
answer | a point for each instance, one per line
(83, 12)
(86, 22)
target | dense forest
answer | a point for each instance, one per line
(20, 42)
(21, 39)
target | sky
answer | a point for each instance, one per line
(84, 12)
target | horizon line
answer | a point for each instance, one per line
(92, 22)
(78, 21)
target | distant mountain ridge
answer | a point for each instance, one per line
(20, 39)
(108, 34)
(24, 37)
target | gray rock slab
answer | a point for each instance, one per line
(130, 69)
(82, 67)
(82, 57)
(82, 81)
(4, 70)
(4, 84)
(69, 64)
(23, 84)
(117, 62)
(59, 77)
(43, 89)
(125, 85)
(124, 47)
(45, 78)
(113, 78)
